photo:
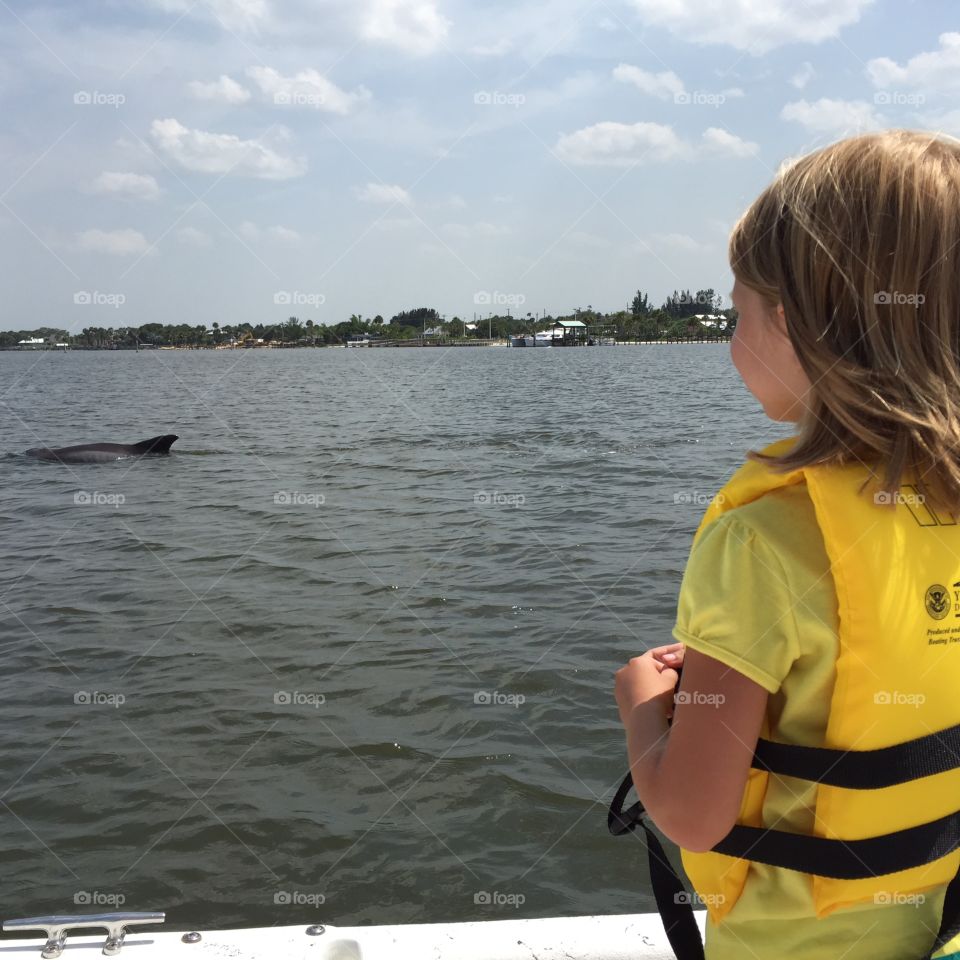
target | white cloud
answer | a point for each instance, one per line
(611, 144)
(465, 231)
(414, 26)
(193, 237)
(833, 116)
(936, 70)
(722, 141)
(756, 26)
(250, 232)
(282, 234)
(804, 75)
(497, 49)
(383, 193)
(222, 153)
(117, 242)
(308, 88)
(224, 90)
(140, 186)
(452, 201)
(666, 85)
(614, 144)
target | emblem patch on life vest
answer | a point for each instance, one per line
(937, 601)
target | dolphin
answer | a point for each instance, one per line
(105, 452)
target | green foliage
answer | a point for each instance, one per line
(419, 318)
(642, 321)
(10, 338)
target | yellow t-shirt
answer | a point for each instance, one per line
(757, 595)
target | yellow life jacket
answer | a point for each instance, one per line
(896, 568)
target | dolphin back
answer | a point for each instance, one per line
(155, 446)
(105, 452)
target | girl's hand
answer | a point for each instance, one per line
(644, 679)
(670, 656)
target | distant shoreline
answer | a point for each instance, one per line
(413, 344)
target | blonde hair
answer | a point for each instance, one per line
(860, 242)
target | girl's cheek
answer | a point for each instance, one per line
(737, 354)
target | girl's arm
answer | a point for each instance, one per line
(689, 776)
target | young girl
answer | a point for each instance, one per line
(820, 607)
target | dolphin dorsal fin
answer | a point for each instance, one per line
(158, 445)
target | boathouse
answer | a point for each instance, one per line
(569, 333)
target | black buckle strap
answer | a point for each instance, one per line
(674, 903)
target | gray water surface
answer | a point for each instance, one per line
(363, 624)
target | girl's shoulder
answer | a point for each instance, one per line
(783, 522)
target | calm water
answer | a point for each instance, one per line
(278, 717)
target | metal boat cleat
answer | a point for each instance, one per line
(57, 927)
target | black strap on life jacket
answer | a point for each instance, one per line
(863, 769)
(673, 901)
(843, 859)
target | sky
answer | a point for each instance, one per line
(200, 161)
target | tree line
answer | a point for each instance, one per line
(675, 318)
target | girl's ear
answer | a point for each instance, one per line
(781, 319)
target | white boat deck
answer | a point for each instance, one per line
(618, 937)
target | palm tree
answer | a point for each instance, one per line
(295, 327)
